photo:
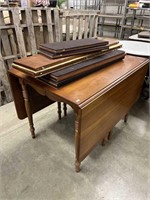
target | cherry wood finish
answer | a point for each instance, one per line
(99, 100)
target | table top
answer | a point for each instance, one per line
(83, 91)
(135, 48)
(135, 37)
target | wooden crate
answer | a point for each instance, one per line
(23, 30)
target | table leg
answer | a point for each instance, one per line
(28, 108)
(65, 109)
(77, 166)
(107, 138)
(77, 141)
(109, 135)
(126, 118)
(59, 110)
(103, 142)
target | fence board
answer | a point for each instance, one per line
(95, 33)
(91, 26)
(5, 41)
(4, 80)
(49, 25)
(1, 91)
(19, 34)
(13, 44)
(81, 28)
(25, 31)
(58, 30)
(71, 12)
(86, 26)
(68, 24)
(75, 27)
(31, 31)
(37, 29)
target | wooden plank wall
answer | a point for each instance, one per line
(23, 30)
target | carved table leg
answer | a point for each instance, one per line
(27, 107)
(77, 166)
(65, 109)
(59, 110)
(126, 118)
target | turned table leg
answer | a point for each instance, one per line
(77, 166)
(103, 142)
(109, 135)
(28, 108)
(65, 109)
(126, 118)
(59, 110)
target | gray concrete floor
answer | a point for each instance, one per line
(43, 169)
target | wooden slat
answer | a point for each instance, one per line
(10, 57)
(58, 30)
(21, 25)
(86, 26)
(70, 12)
(45, 30)
(12, 37)
(91, 27)
(49, 25)
(80, 27)
(6, 26)
(95, 27)
(4, 79)
(31, 30)
(37, 30)
(5, 40)
(1, 90)
(68, 24)
(75, 26)
(25, 31)
(18, 30)
(12, 42)
(61, 31)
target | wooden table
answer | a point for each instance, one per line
(99, 100)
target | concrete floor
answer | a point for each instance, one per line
(43, 169)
